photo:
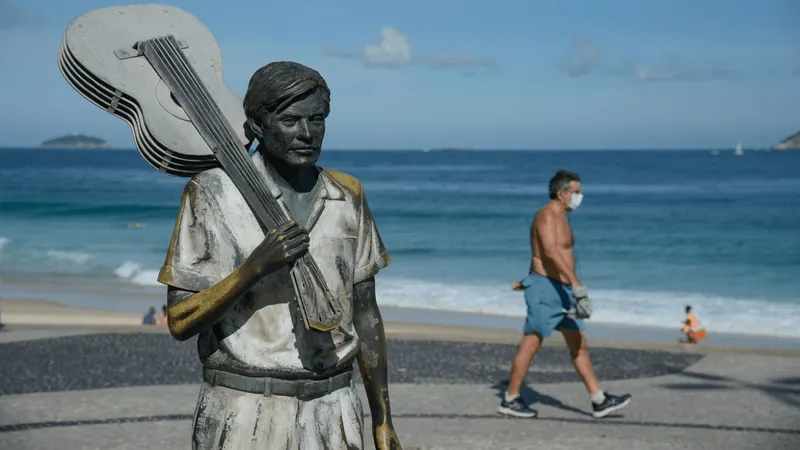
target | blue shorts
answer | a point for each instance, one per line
(547, 301)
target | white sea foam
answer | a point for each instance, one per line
(74, 257)
(657, 309)
(136, 274)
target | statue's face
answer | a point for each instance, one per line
(295, 134)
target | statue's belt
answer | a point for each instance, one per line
(302, 389)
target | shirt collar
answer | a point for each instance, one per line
(329, 190)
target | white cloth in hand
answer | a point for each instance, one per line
(583, 304)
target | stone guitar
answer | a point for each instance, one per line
(159, 69)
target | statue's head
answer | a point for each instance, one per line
(286, 105)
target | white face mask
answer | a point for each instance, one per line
(575, 200)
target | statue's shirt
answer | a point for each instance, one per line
(263, 333)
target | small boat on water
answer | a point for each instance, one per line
(738, 151)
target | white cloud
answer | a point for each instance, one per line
(393, 49)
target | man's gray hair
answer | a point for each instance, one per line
(561, 181)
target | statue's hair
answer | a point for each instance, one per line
(277, 85)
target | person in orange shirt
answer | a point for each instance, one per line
(692, 329)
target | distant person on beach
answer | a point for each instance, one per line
(150, 317)
(691, 328)
(556, 300)
(162, 318)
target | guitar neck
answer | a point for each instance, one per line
(169, 61)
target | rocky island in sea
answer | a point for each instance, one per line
(75, 140)
(790, 143)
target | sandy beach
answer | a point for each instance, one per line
(49, 312)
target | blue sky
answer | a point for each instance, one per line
(441, 73)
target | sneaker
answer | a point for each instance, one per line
(516, 408)
(610, 404)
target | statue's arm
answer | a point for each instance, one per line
(190, 312)
(372, 359)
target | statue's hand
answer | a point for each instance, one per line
(386, 438)
(282, 245)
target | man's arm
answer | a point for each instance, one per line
(548, 236)
(372, 360)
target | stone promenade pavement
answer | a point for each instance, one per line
(96, 389)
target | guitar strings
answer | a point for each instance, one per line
(212, 126)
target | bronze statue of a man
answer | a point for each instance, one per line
(269, 382)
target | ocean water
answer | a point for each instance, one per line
(656, 230)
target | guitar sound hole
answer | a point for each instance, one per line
(174, 99)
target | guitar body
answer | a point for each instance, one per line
(98, 59)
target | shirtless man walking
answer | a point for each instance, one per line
(552, 290)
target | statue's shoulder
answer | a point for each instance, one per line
(346, 181)
(215, 177)
(210, 184)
